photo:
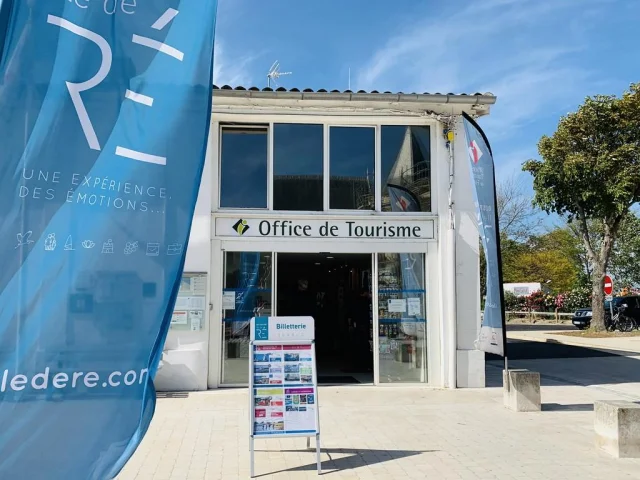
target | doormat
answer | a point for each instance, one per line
(336, 379)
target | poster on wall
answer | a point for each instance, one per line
(188, 313)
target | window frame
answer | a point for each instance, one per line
(239, 120)
(272, 169)
(246, 126)
(327, 177)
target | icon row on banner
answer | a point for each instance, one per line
(153, 249)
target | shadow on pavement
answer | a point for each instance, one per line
(574, 407)
(355, 457)
(567, 365)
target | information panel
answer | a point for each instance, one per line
(284, 393)
(283, 385)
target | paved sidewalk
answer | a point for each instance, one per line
(622, 344)
(385, 433)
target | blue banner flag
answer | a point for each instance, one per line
(492, 331)
(104, 119)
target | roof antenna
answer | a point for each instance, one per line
(275, 73)
(349, 78)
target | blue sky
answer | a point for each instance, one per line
(540, 57)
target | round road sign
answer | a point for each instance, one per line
(608, 285)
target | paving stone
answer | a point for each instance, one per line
(384, 433)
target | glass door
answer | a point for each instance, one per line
(401, 318)
(247, 292)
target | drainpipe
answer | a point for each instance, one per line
(452, 337)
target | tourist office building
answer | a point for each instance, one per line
(338, 206)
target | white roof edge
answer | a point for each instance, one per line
(478, 99)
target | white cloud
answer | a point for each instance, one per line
(498, 46)
(229, 70)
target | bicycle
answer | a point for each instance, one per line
(620, 321)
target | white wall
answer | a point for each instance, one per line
(185, 360)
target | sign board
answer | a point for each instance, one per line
(282, 328)
(283, 382)
(608, 285)
(349, 228)
(608, 298)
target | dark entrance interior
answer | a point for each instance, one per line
(335, 289)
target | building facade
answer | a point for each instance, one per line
(349, 207)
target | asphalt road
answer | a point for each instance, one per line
(569, 365)
(540, 326)
(523, 350)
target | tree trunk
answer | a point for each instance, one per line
(597, 299)
(597, 279)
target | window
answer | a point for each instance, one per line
(352, 168)
(243, 167)
(298, 167)
(406, 169)
(402, 336)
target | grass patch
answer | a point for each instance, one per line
(593, 334)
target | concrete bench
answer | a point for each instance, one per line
(521, 390)
(617, 426)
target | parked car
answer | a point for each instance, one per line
(582, 317)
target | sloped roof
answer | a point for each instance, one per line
(362, 95)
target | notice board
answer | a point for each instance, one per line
(283, 382)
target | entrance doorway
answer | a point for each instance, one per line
(334, 289)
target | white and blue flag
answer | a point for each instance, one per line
(491, 338)
(104, 115)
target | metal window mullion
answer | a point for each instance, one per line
(326, 168)
(270, 166)
(378, 169)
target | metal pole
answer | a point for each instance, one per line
(251, 450)
(451, 245)
(611, 307)
(251, 404)
(318, 460)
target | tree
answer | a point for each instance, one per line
(590, 172)
(625, 263)
(546, 267)
(517, 216)
(551, 258)
(518, 219)
(625, 256)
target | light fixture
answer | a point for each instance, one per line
(330, 257)
(318, 263)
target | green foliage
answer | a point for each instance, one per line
(591, 165)
(625, 258)
(512, 303)
(590, 172)
(566, 302)
(552, 256)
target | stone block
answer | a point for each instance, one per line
(617, 426)
(521, 390)
(471, 369)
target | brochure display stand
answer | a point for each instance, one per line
(283, 383)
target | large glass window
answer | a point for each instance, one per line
(401, 318)
(298, 167)
(352, 168)
(406, 169)
(243, 167)
(247, 294)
